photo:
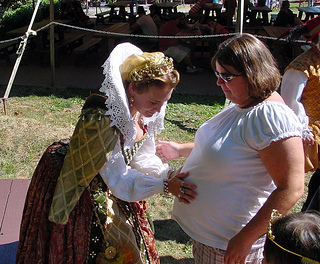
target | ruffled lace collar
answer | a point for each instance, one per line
(117, 102)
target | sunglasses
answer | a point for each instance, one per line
(226, 77)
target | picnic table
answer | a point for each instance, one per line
(21, 30)
(12, 199)
(167, 8)
(257, 10)
(310, 12)
(42, 36)
(279, 32)
(276, 32)
(122, 30)
(214, 9)
(122, 10)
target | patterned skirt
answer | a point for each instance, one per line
(101, 228)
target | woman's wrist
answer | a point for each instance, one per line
(170, 172)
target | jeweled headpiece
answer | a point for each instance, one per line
(146, 66)
(274, 215)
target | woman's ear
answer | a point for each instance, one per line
(131, 89)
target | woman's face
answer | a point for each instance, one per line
(150, 102)
(236, 90)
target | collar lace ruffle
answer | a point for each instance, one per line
(117, 102)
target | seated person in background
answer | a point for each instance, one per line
(172, 47)
(215, 28)
(71, 9)
(294, 238)
(196, 12)
(247, 11)
(286, 17)
(146, 26)
(182, 21)
(156, 16)
(227, 16)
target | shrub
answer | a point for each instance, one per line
(21, 16)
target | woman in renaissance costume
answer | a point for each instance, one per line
(85, 200)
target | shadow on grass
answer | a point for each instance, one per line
(181, 125)
(169, 229)
(21, 91)
(197, 99)
(171, 260)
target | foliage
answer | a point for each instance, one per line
(20, 13)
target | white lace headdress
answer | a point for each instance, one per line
(117, 102)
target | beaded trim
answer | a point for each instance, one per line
(152, 69)
(166, 186)
(130, 153)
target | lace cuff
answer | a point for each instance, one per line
(306, 133)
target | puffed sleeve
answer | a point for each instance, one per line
(292, 86)
(147, 162)
(140, 180)
(269, 122)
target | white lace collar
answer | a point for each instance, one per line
(117, 102)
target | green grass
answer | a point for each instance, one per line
(37, 117)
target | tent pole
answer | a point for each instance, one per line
(20, 51)
(240, 15)
(52, 55)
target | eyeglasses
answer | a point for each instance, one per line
(226, 77)
(276, 214)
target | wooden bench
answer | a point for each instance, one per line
(8, 48)
(69, 43)
(101, 16)
(12, 198)
(87, 46)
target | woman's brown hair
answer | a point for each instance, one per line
(250, 57)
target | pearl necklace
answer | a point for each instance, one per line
(137, 116)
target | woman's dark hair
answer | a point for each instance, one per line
(296, 232)
(250, 57)
(155, 8)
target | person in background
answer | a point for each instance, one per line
(300, 91)
(82, 204)
(173, 48)
(214, 28)
(182, 21)
(146, 26)
(285, 17)
(156, 16)
(196, 11)
(226, 17)
(294, 238)
(245, 161)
